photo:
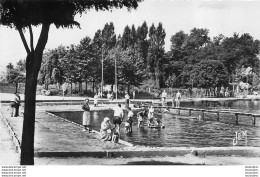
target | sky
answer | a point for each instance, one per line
(219, 17)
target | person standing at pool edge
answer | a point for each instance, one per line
(127, 101)
(164, 96)
(17, 105)
(86, 116)
(118, 117)
(14, 104)
(96, 100)
(178, 99)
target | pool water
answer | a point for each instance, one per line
(177, 132)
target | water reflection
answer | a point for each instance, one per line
(184, 132)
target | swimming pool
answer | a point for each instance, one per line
(177, 132)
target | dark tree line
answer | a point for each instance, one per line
(193, 60)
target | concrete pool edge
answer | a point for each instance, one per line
(155, 152)
(12, 134)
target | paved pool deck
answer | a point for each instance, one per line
(57, 139)
(5, 97)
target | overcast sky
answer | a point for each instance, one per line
(219, 17)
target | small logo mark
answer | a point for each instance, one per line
(239, 136)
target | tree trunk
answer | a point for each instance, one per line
(93, 88)
(128, 89)
(86, 85)
(47, 84)
(16, 87)
(33, 64)
(27, 148)
(71, 88)
(80, 86)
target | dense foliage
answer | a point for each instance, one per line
(193, 60)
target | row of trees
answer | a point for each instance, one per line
(136, 57)
(193, 60)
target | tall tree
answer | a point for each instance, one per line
(125, 41)
(88, 63)
(209, 73)
(98, 48)
(197, 40)
(128, 69)
(156, 53)
(108, 37)
(22, 14)
(240, 51)
(177, 45)
(142, 43)
(133, 37)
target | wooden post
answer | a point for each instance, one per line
(189, 112)
(202, 115)
(253, 120)
(236, 114)
(218, 116)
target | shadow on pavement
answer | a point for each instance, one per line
(153, 162)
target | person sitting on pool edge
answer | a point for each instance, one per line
(106, 130)
(141, 116)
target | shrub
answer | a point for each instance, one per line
(89, 93)
(54, 92)
(81, 94)
(74, 91)
(66, 92)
